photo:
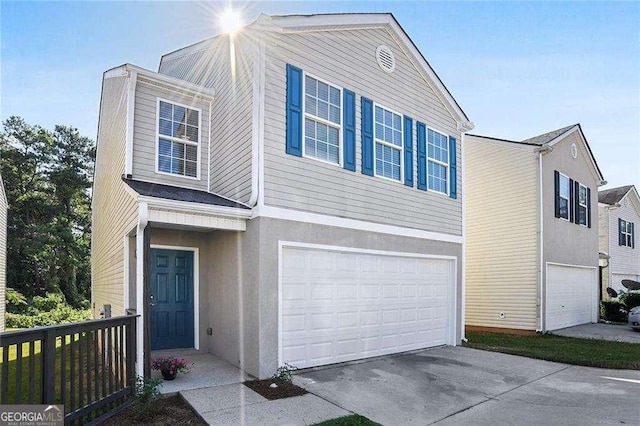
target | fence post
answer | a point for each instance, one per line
(49, 367)
(131, 353)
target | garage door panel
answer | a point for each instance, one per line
(339, 306)
(570, 295)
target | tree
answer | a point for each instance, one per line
(47, 177)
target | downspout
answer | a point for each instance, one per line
(143, 217)
(257, 123)
(463, 305)
(540, 327)
(131, 100)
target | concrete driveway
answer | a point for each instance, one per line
(456, 385)
(600, 331)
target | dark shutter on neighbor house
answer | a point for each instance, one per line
(349, 130)
(573, 201)
(421, 130)
(620, 235)
(633, 236)
(453, 174)
(589, 207)
(408, 151)
(556, 186)
(367, 136)
(294, 110)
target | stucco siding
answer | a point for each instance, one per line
(145, 136)
(347, 59)
(501, 235)
(114, 210)
(3, 254)
(231, 112)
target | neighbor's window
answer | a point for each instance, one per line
(322, 108)
(178, 139)
(388, 137)
(582, 205)
(565, 196)
(626, 233)
(438, 161)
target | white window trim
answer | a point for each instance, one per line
(586, 206)
(568, 218)
(321, 120)
(383, 142)
(174, 139)
(447, 185)
(627, 235)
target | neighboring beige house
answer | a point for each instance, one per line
(4, 206)
(618, 220)
(531, 246)
(288, 194)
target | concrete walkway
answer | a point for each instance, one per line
(601, 331)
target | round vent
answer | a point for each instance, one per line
(385, 59)
(574, 150)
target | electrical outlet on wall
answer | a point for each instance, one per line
(502, 315)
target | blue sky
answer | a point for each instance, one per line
(518, 69)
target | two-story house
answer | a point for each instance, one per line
(618, 219)
(291, 193)
(532, 236)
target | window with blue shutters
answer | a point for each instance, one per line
(437, 161)
(388, 143)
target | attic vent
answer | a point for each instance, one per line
(385, 59)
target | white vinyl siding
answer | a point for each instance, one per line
(322, 120)
(146, 149)
(231, 111)
(114, 209)
(314, 186)
(502, 247)
(624, 260)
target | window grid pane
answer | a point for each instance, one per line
(388, 126)
(437, 151)
(322, 141)
(171, 158)
(322, 100)
(387, 161)
(182, 123)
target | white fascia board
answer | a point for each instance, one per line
(120, 71)
(502, 142)
(196, 208)
(192, 89)
(360, 225)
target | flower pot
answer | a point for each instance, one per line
(167, 375)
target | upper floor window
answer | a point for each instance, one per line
(625, 233)
(582, 207)
(178, 139)
(564, 196)
(438, 161)
(322, 120)
(388, 143)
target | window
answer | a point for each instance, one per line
(625, 233)
(322, 122)
(178, 139)
(582, 208)
(388, 143)
(438, 161)
(565, 196)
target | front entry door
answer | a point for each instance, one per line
(172, 299)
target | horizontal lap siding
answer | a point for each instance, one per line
(347, 59)
(231, 114)
(114, 209)
(501, 225)
(3, 255)
(624, 260)
(145, 133)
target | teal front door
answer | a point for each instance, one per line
(172, 301)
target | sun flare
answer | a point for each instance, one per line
(230, 21)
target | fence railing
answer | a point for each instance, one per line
(88, 366)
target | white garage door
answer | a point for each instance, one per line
(571, 296)
(341, 305)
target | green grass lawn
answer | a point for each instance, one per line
(568, 350)
(352, 420)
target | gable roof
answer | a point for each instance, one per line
(613, 196)
(175, 193)
(347, 21)
(547, 137)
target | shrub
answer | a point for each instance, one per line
(613, 310)
(146, 394)
(16, 301)
(60, 315)
(630, 300)
(285, 372)
(47, 303)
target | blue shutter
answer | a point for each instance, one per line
(367, 136)
(453, 173)
(422, 155)
(408, 151)
(294, 110)
(349, 130)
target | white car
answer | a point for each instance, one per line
(634, 318)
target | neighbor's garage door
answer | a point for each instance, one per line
(571, 296)
(339, 305)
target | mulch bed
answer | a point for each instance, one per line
(165, 412)
(284, 389)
